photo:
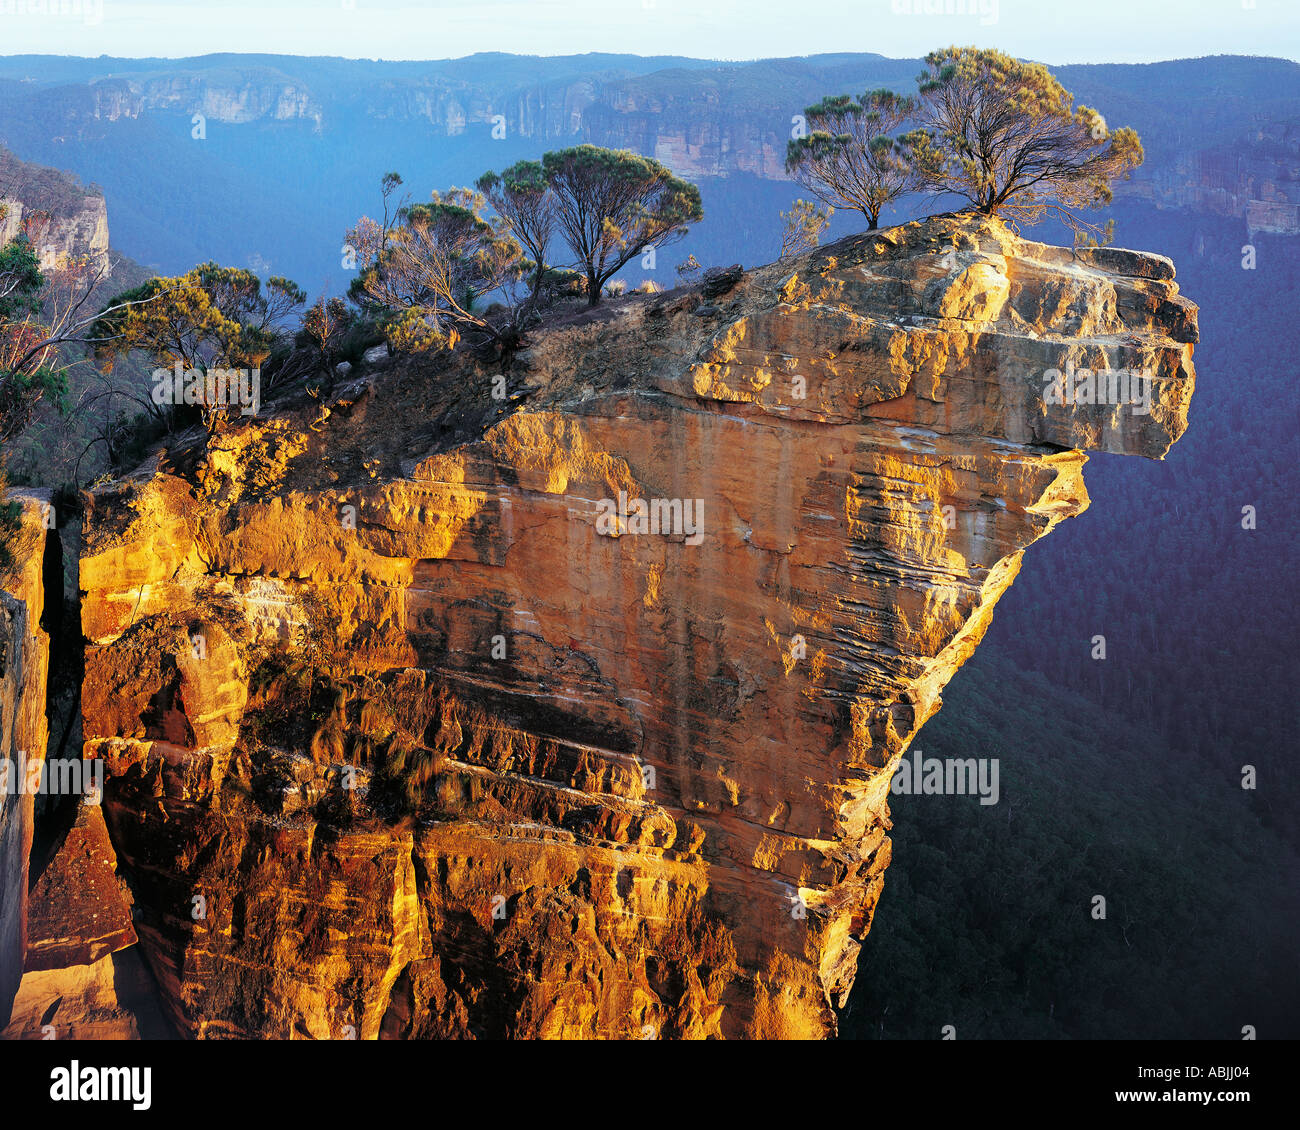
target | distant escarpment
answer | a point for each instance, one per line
(572, 711)
(70, 221)
(67, 224)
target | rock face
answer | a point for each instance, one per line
(24, 731)
(1251, 177)
(113, 998)
(416, 727)
(73, 233)
(70, 223)
(77, 910)
(75, 986)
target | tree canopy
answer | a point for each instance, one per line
(1006, 136)
(210, 317)
(613, 204)
(22, 383)
(522, 197)
(852, 159)
(41, 311)
(438, 260)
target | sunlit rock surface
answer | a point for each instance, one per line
(24, 730)
(413, 731)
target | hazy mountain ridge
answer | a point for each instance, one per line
(237, 192)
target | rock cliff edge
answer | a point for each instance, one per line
(416, 727)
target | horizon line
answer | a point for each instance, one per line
(613, 55)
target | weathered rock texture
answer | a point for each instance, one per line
(402, 738)
(113, 998)
(24, 731)
(69, 222)
(74, 985)
(78, 912)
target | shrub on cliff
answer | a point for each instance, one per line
(26, 374)
(802, 227)
(425, 274)
(613, 205)
(10, 527)
(852, 159)
(41, 315)
(1006, 136)
(210, 318)
(325, 330)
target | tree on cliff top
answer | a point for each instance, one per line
(210, 317)
(1006, 136)
(802, 227)
(613, 204)
(523, 199)
(434, 266)
(22, 382)
(852, 159)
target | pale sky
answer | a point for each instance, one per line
(1052, 31)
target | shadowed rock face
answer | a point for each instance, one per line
(76, 910)
(24, 730)
(414, 728)
(80, 977)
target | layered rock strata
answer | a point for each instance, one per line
(24, 730)
(416, 727)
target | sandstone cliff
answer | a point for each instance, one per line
(73, 222)
(407, 737)
(1252, 177)
(24, 732)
